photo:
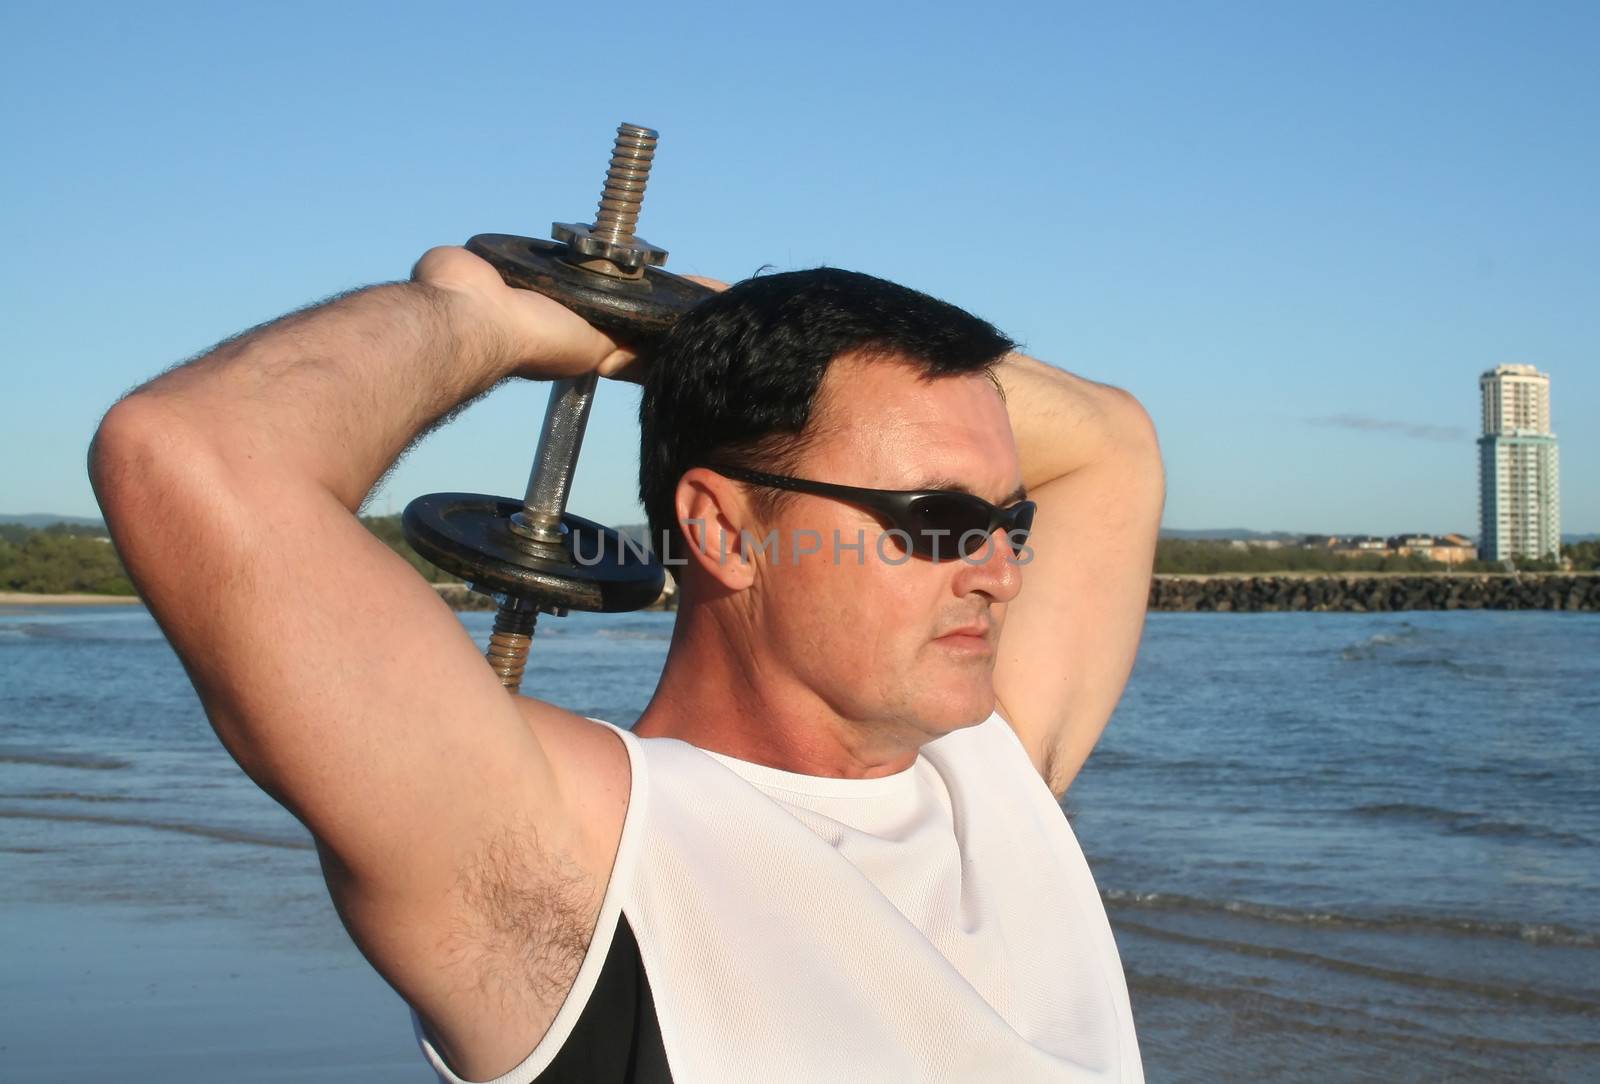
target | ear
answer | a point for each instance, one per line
(713, 511)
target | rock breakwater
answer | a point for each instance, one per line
(1369, 593)
(1375, 592)
(458, 597)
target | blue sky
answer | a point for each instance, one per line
(1297, 232)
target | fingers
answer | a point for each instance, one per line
(454, 267)
(628, 365)
(546, 318)
(623, 364)
(544, 337)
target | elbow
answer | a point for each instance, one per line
(119, 455)
(157, 483)
(1134, 434)
(130, 449)
(1138, 452)
(114, 453)
(1131, 421)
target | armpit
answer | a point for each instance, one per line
(525, 914)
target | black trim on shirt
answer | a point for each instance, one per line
(617, 1039)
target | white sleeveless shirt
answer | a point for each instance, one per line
(939, 924)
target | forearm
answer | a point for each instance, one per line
(330, 395)
(1063, 423)
(1091, 461)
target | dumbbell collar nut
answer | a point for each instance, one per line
(631, 256)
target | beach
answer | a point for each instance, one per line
(21, 598)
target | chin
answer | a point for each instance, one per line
(960, 707)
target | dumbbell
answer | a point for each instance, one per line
(532, 555)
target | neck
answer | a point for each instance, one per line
(718, 692)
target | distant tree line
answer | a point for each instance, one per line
(60, 559)
(76, 558)
(387, 530)
(1585, 556)
(1183, 556)
(69, 558)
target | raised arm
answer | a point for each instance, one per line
(1090, 460)
(459, 829)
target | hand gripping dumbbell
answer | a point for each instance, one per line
(532, 555)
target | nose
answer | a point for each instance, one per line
(995, 570)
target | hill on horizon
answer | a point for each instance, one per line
(45, 519)
(1230, 534)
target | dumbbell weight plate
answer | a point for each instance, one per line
(636, 311)
(469, 535)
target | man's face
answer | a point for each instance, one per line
(887, 640)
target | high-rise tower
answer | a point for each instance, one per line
(1519, 488)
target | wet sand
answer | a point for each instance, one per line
(23, 598)
(100, 990)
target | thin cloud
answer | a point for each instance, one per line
(1414, 430)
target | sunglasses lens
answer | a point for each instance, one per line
(946, 525)
(1017, 521)
(1020, 523)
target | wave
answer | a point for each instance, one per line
(657, 634)
(1404, 633)
(1536, 933)
(56, 759)
(1300, 1015)
(82, 632)
(1440, 663)
(1523, 995)
(1364, 653)
(205, 831)
(74, 796)
(1467, 824)
(1473, 670)
(1500, 770)
(1403, 647)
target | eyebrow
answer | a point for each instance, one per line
(1018, 494)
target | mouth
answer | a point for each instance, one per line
(967, 638)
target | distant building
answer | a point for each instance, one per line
(1450, 549)
(1408, 543)
(1519, 490)
(1361, 546)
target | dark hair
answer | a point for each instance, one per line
(736, 379)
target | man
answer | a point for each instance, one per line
(830, 848)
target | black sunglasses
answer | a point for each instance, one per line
(939, 524)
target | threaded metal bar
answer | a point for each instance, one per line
(509, 642)
(631, 156)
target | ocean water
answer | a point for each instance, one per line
(1333, 846)
(1356, 847)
